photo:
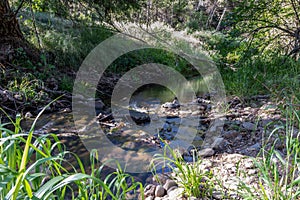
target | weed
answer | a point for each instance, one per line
(195, 181)
(279, 175)
(34, 167)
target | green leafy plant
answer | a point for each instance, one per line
(195, 181)
(35, 167)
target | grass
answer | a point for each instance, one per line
(279, 175)
(244, 72)
(263, 75)
(34, 167)
(195, 181)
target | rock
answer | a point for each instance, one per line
(28, 115)
(149, 198)
(99, 105)
(187, 158)
(160, 191)
(149, 190)
(206, 152)
(219, 143)
(172, 105)
(130, 145)
(160, 178)
(255, 147)
(171, 189)
(18, 97)
(139, 117)
(169, 183)
(249, 126)
(196, 113)
(230, 134)
(176, 193)
(217, 195)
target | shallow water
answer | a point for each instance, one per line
(147, 100)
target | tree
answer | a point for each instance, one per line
(9, 26)
(11, 36)
(271, 25)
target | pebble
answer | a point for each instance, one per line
(176, 193)
(252, 172)
(150, 190)
(219, 143)
(169, 184)
(249, 126)
(160, 178)
(206, 152)
(28, 115)
(230, 134)
(254, 147)
(160, 191)
(171, 189)
(249, 165)
(217, 195)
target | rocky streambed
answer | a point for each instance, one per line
(247, 125)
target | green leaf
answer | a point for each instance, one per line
(48, 186)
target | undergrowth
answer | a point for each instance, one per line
(279, 175)
(35, 167)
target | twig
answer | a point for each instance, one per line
(34, 26)
(20, 6)
(221, 19)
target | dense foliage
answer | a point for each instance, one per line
(254, 43)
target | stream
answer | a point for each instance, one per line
(143, 133)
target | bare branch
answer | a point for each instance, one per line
(275, 27)
(20, 6)
(295, 10)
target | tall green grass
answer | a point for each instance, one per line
(279, 175)
(190, 176)
(35, 167)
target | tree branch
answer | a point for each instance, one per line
(295, 10)
(275, 27)
(18, 9)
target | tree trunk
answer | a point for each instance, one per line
(11, 36)
(9, 26)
